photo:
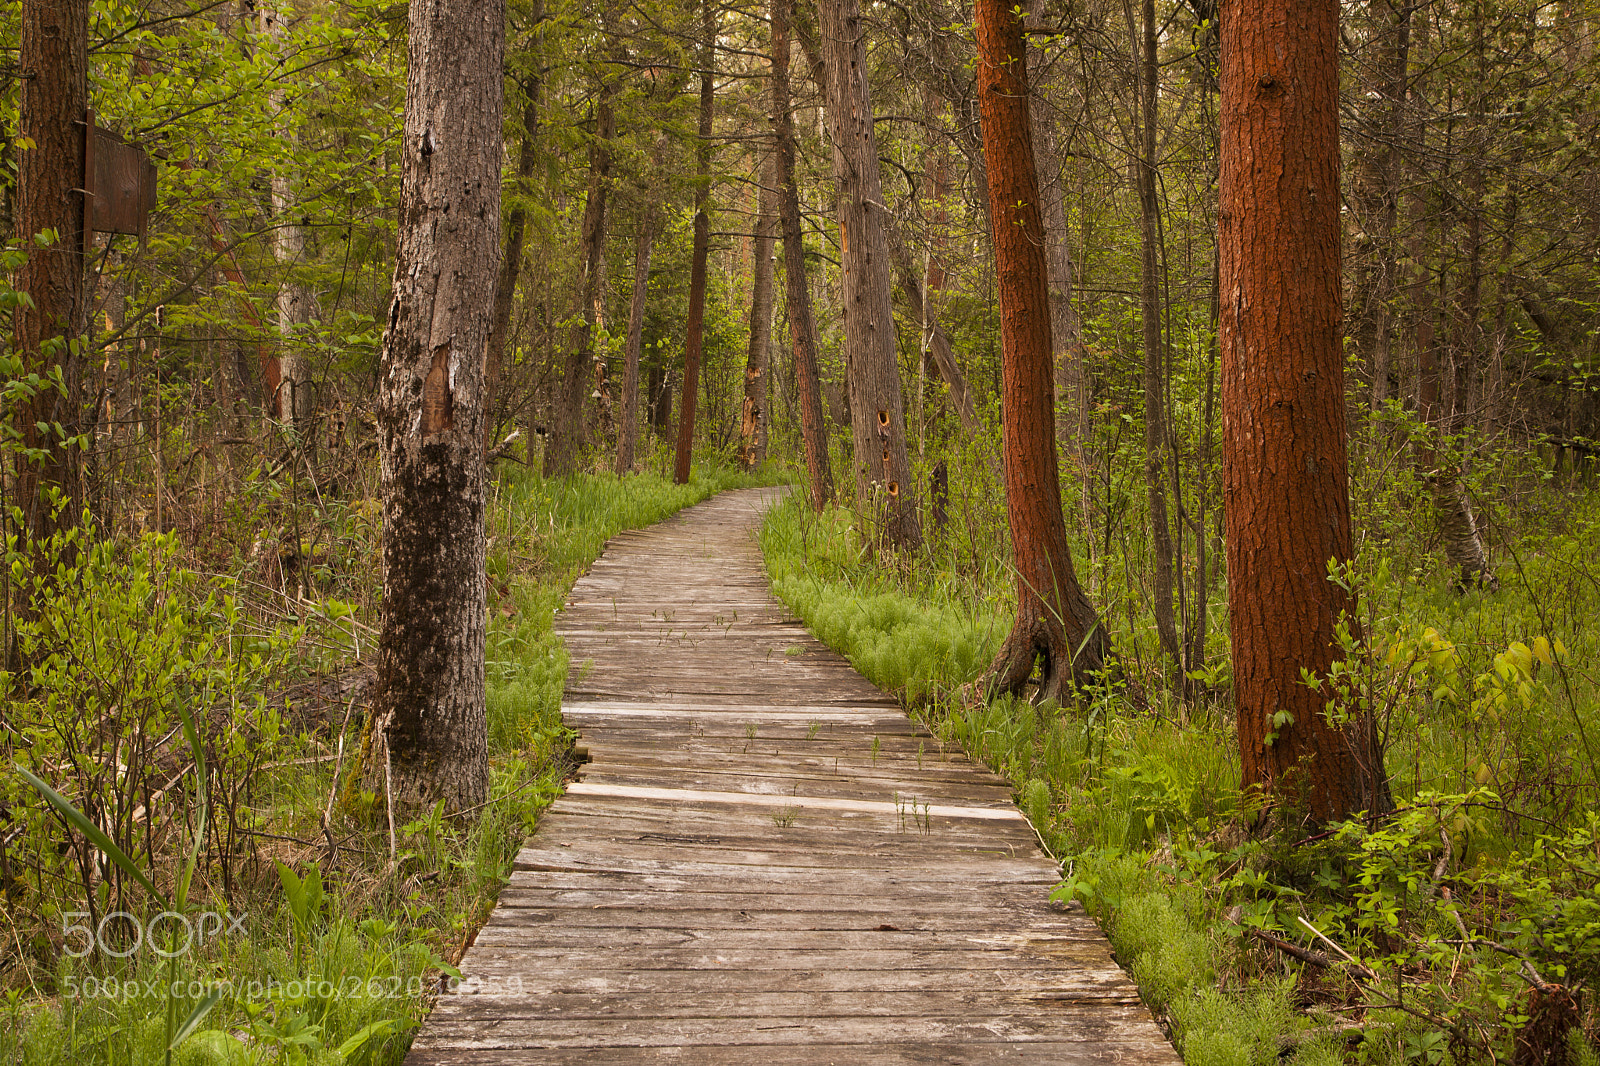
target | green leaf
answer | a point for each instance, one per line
(90, 830)
(196, 1016)
(373, 1031)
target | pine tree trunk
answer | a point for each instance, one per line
(877, 413)
(1056, 626)
(428, 731)
(1285, 480)
(52, 101)
(802, 323)
(753, 418)
(694, 331)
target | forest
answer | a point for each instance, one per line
(1188, 412)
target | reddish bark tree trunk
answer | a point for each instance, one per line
(697, 270)
(802, 323)
(1055, 625)
(1285, 479)
(429, 735)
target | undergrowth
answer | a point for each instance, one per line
(309, 934)
(1464, 929)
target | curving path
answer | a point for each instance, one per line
(764, 861)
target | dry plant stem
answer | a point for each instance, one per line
(1360, 969)
(333, 789)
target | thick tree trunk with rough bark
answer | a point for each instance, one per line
(429, 739)
(52, 100)
(1285, 476)
(802, 322)
(694, 330)
(577, 378)
(753, 419)
(877, 411)
(1056, 627)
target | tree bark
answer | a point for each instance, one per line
(802, 322)
(1066, 327)
(628, 420)
(505, 286)
(577, 379)
(1285, 467)
(938, 342)
(753, 420)
(1374, 193)
(877, 412)
(428, 730)
(1154, 375)
(293, 402)
(52, 104)
(694, 331)
(1055, 625)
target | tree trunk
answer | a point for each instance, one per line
(877, 413)
(1055, 624)
(505, 286)
(694, 331)
(1374, 194)
(628, 420)
(1066, 328)
(52, 104)
(802, 323)
(294, 402)
(1285, 476)
(1154, 371)
(753, 420)
(566, 424)
(938, 342)
(428, 731)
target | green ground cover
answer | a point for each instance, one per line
(306, 930)
(1464, 929)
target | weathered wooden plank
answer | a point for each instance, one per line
(765, 862)
(794, 798)
(1106, 1023)
(821, 1053)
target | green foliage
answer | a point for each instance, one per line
(1484, 877)
(332, 957)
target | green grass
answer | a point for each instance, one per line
(1488, 745)
(345, 979)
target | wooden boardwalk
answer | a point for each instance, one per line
(765, 861)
